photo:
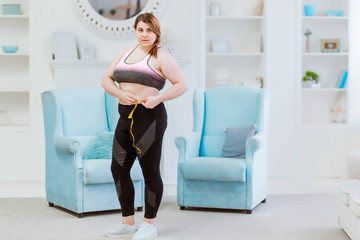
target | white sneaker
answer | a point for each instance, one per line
(122, 230)
(146, 232)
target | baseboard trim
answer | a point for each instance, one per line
(22, 189)
(27, 189)
(170, 189)
(30, 189)
(303, 186)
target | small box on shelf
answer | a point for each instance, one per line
(4, 118)
(220, 46)
(331, 45)
(258, 83)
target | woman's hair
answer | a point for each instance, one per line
(154, 25)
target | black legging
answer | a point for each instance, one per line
(148, 130)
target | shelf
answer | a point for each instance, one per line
(15, 90)
(324, 89)
(233, 54)
(234, 18)
(323, 125)
(325, 54)
(14, 16)
(79, 63)
(15, 127)
(20, 54)
(324, 18)
(76, 64)
(316, 105)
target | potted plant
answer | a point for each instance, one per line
(101, 11)
(312, 78)
(112, 11)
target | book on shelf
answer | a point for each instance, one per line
(346, 82)
(341, 82)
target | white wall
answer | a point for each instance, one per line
(295, 153)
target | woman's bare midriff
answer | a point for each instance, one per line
(140, 91)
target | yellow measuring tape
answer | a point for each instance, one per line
(132, 122)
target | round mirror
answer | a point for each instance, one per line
(115, 18)
(118, 9)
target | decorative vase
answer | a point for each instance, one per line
(215, 9)
(307, 84)
(307, 44)
(316, 85)
(309, 10)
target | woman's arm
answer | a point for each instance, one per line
(171, 70)
(109, 85)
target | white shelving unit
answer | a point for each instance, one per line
(15, 86)
(234, 27)
(315, 105)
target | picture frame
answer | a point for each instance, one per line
(253, 43)
(331, 45)
(220, 46)
(86, 51)
(64, 46)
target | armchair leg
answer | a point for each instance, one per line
(51, 204)
(264, 201)
(182, 208)
(80, 215)
(139, 209)
(248, 211)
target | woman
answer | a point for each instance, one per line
(141, 71)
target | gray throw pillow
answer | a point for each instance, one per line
(234, 146)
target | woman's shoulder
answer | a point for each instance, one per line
(122, 53)
(125, 50)
(164, 56)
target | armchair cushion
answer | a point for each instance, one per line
(235, 140)
(83, 111)
(112, 104)
(100, 147)
(214, 169)
(98, 171)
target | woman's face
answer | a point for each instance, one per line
(144, 35)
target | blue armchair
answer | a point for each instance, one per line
(73, 117)
(205, 178)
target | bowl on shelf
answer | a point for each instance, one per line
(11, 9)
(10, 49)
(335, 13)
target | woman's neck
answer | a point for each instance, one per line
(145, 49)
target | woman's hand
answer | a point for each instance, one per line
(151, 102)
(127, 98)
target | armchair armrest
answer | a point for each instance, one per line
(70, 146)
(254, 144)
(65, 144)
(188, 146)
(256, 167)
